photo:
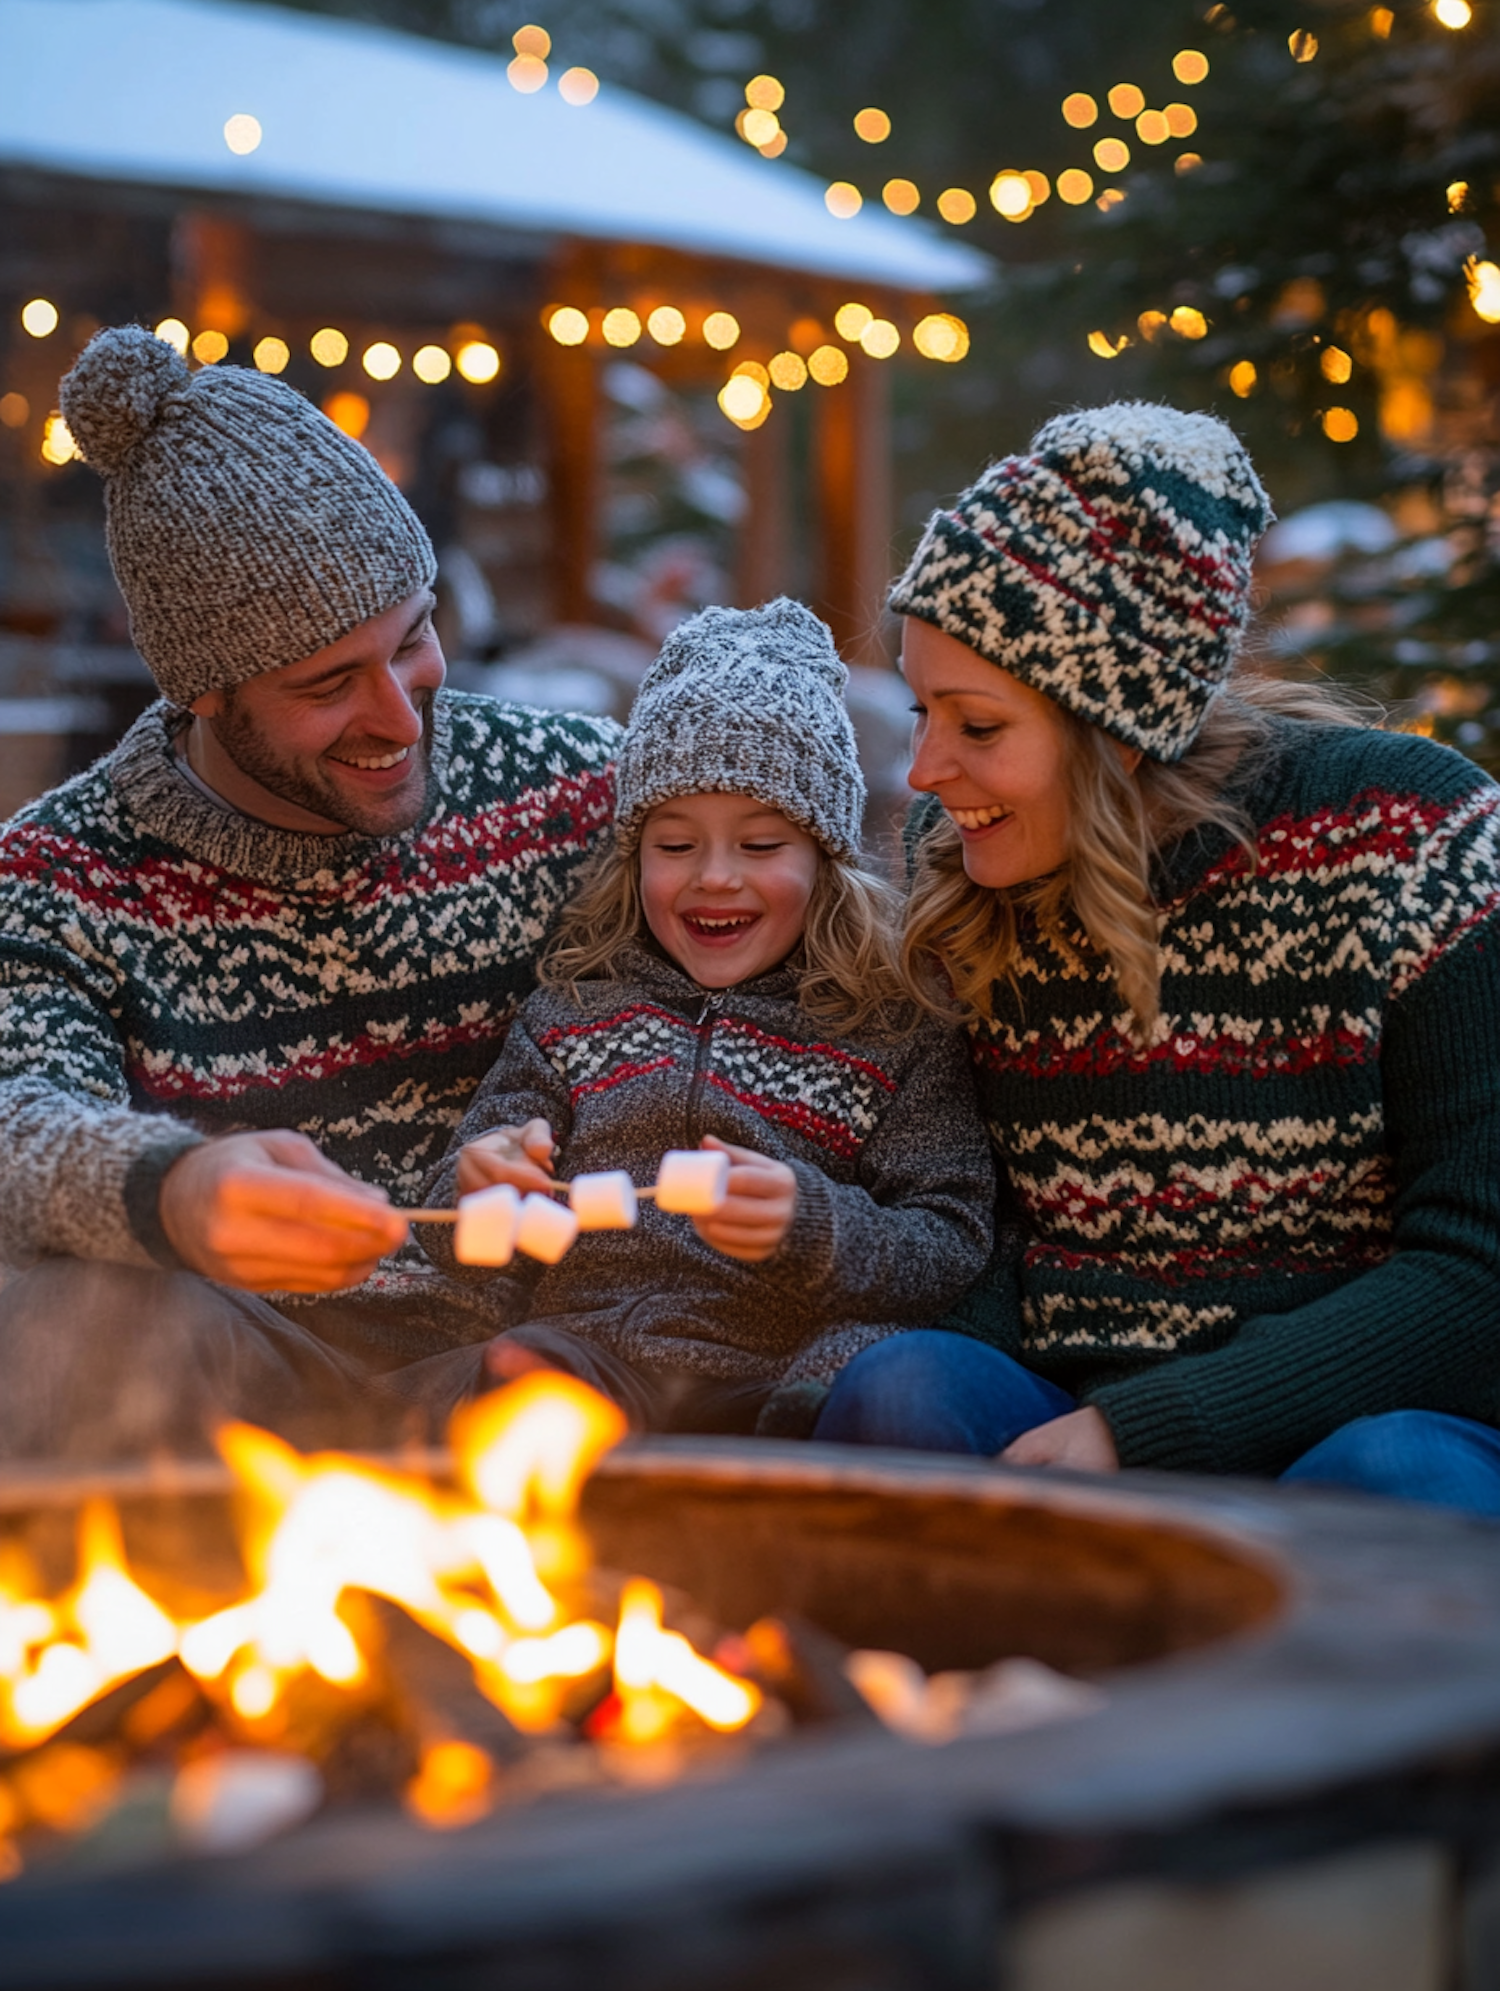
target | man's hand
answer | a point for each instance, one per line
(521, 1156)
(1081, 1440)
(757, 1213)
(270, 1213)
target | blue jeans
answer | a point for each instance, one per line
(932, 1391)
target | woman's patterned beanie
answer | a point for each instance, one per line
(245, 530)
(1109, 567)
(746, 701)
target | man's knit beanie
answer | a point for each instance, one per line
(1108, 567)
(245, 530)
(746, 701)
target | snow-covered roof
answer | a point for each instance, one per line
(361, 117)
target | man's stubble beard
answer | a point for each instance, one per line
(253, 753)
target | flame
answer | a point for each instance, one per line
(657, 1673)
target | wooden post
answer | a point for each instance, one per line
(761, 564)
(853, 478)
(570, 398)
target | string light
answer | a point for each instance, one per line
(479, 362)
(1189, 66)
(758, 128)
(1457, 195)
(1484, 289)
(880, 338)
(828, 365)
(568, 326)
(1040, 185)
(788, 371)
(1335, 364)
(1382, 20)
(431, 365)
(873, 126)
(765, 93)
(578, 86)
(532, 40)
(1182, 120)
(209, 348)
(1111, 155)
(667, 325)
(528, 74)
(1188, 323)
(14, 410)
(1151, 128)
(1080, 110)
(1340, 424)
(1242, 378)
(850, 320)
(1187, 162)
(957, 205)
(381, 361)
(901, 196)
(271, 355)
(1150, 323)
(774, 147)
(242, 133)
(621, 326)
(1304, 44)
(1075, 186)
(174, 333)
(329, 347)
(1106, 347)
(1452, 13)
(941, 336)
(721, 330)
(349, 412)
(1111, 197)
(58, 446)
(1126, 101)
(39, 317)
(744, 401)
(843, 200)
(751, 369)
(1011, 196)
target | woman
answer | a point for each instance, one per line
(1230, 965)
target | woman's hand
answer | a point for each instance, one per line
(1081, 1440)
(757, 1213)
(521, 1156)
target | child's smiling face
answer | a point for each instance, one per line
(725, 883)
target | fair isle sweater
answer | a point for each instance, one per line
(170, 969)
(895, 1188)
(1285, 1213)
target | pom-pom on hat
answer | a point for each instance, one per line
(245, 530)
(746, 701)
(1108, 567)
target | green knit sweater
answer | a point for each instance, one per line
(1284, 1213)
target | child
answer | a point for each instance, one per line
(727, 978)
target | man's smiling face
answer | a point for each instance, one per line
(338, 741)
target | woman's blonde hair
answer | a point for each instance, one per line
(965, 937)
(848, 965)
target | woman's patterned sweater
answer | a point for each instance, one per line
(1285, 1213)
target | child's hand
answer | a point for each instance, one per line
(757, 1213)
(521, 1156)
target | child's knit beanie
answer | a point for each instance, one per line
(746, 701)
(245, 530)
(1108, 567)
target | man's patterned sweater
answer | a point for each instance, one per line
(895, 1189)
(1285, 1213)
(170, 969)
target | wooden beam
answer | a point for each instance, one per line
(853, 499)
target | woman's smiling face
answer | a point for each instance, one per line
(994, 752)
(725, 885)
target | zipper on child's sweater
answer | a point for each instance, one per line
(713, 1002)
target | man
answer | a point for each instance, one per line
(254, 962)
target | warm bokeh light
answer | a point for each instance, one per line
(1111, 155)
(1010, 195)
(941, 336)
(765, 93)
(1182, 120)
(721, 330)
(957, 205)
(901, 196)
(242, 133)
(578, 86)
(1303, 44)
(1075, 186)
(851, 319)
(1080, 110)
(15, 410)
(804, 334)
(1106, 347)
(1151, 128)
(788, 371)
(1187, 162)
(381, 361)
(528, 74)
(758, 128)
(1452, 13)
(1382, 20)
(667, 325)
(843, 200)
(751, 369)
(1457, 192)
(744, 400)
(1335, 364)
(1150, 323)
(880, 338)
(1242, 378)
(209, 348)
(39, 317)
(58, 446)
(621, 326)
(329, 347)
(1189, 66)
(175, 334)
(431, 364)
(774, 148)
(1188, 323)
(1040, 185)
(1484, 289)
(532, 40)
(1340, 424)
(479, 362)
(271, 355)
(1126, 101)
(568, 325)
(828, 365)
(1111, 197)
(873, 126)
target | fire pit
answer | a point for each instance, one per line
(1290, 1682)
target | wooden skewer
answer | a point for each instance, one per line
(451, 1216)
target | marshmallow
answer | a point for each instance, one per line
(487, 1225)
(546, 1229)
(692, 1181)
(603, 1202)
